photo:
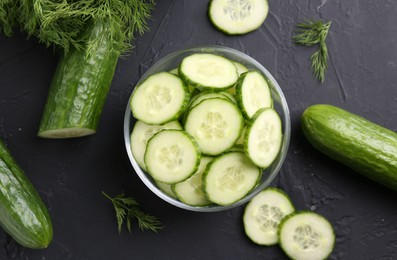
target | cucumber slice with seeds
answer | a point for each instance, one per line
(215, 124)
(253, 93)
(306, 235)
(172, 156)
(161, 98)
(229, 177)
(264, 137)
(235, 17)
(190, 191)
(140, 135)
(208, 72)
(263, 214)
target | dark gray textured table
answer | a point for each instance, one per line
(70, 174)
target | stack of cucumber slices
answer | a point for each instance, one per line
(206, 130)
(270, 218)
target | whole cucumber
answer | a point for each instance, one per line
(23, 214)
(79, 88)
(366, 147)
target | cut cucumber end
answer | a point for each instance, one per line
(66, 133)
(306, 235)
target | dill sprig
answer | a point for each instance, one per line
(67, 23)
(128, 209)
(311, 33)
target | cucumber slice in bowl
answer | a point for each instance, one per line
(230, 177)
(140, 135)
(306, 235)
(208, 72)
(253, 93)
(263, 214)
(235, 17)
(161, 98)
(190, 191)
(216, 124)
(264, 137)
(172, 156)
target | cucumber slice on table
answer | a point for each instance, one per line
(190, 191)
(253, 93)
(140, 135)
(172, 156)
(306, 235)
(216, 124)
(161, 98)
(263, 214)
(208, 71)
(237, 16)
(229, 177)
(263, 138)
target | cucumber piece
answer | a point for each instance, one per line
(140, 135)
(191, 191)
(240, 67)
(23, 214)
(229, 177)
(368, 148)
(208, 72)
(229, 95)
(79, 88)
(253, 93)
(161, 98)
(166, 188)
(263, 214)
(306, 235)
(264, 137)
(207, 95)
(234, 17)
(172, 156)
(215, 124)
(241, 139)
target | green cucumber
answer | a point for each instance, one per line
(23, 214)
(79, 88)
(354, 141)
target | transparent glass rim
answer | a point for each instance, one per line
(285, 120)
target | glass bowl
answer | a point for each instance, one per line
(172, 61)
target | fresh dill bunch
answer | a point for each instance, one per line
(311, 33)
(128, 209)
(66, 24)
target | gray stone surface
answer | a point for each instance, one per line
(70, 174)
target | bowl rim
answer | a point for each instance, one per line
(284, 148)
